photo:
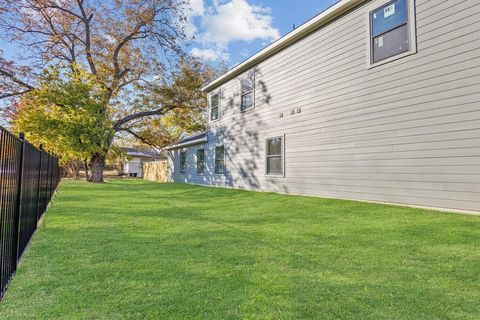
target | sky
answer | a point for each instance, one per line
(233, 30)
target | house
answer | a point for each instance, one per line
(133, 164)
(372, 100)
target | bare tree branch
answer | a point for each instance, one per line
(158, 112)
(55, 6)
(119, 74)
(137, 136)
(13, 78)
(14, 94)
(88, 45)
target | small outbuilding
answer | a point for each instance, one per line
(133, 164)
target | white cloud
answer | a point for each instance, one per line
(194, 8)
(197, 8)
(210, 54)
(237, 20)
(216, 26)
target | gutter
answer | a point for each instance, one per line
(187, 144)
(305, 29)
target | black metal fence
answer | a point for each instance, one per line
(28, 178)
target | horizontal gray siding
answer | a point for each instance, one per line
(405, 132)
(191, 175)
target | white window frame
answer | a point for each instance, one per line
(412, 31)
(224, 160)
(249, 74)
(204, 162)
(212, 94)
(183, 169)
(282, 154)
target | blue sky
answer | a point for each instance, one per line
(233, 30)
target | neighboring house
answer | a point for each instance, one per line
(133, 165)
(374, 100)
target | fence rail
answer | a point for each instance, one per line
(28, 178)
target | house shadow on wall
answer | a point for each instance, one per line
(244, 143)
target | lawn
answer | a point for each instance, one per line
(131, 249)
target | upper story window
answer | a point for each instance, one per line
(247, 95)
(200, 161)
(215, 107)
(183, 161)
(392, 31)
(220, 160)
(274, 156)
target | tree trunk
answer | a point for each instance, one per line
(120, 168)
(78, 166)
(97, 164)
(85, 166)
(71, 169)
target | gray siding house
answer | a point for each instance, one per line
(372, 100)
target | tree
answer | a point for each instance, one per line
(123, 45)
(64, 114)
(188, 105)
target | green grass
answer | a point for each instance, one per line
(131, 249)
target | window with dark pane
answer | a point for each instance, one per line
(214, 107)
(390, 30)
(248, 84)
(220, 160)
(183, 161)
(200, 161)
(274, 156)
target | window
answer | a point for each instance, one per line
(183, 161)
(392, 31)
(274, 156)
(248, 85)
(214, 107)
(200, 161)
(220, 160)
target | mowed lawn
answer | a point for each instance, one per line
(131, 249)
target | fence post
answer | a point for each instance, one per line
(40, 148)
(45, 188)
(16, 221)
(51, 177)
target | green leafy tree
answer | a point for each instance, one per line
(65, 114)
